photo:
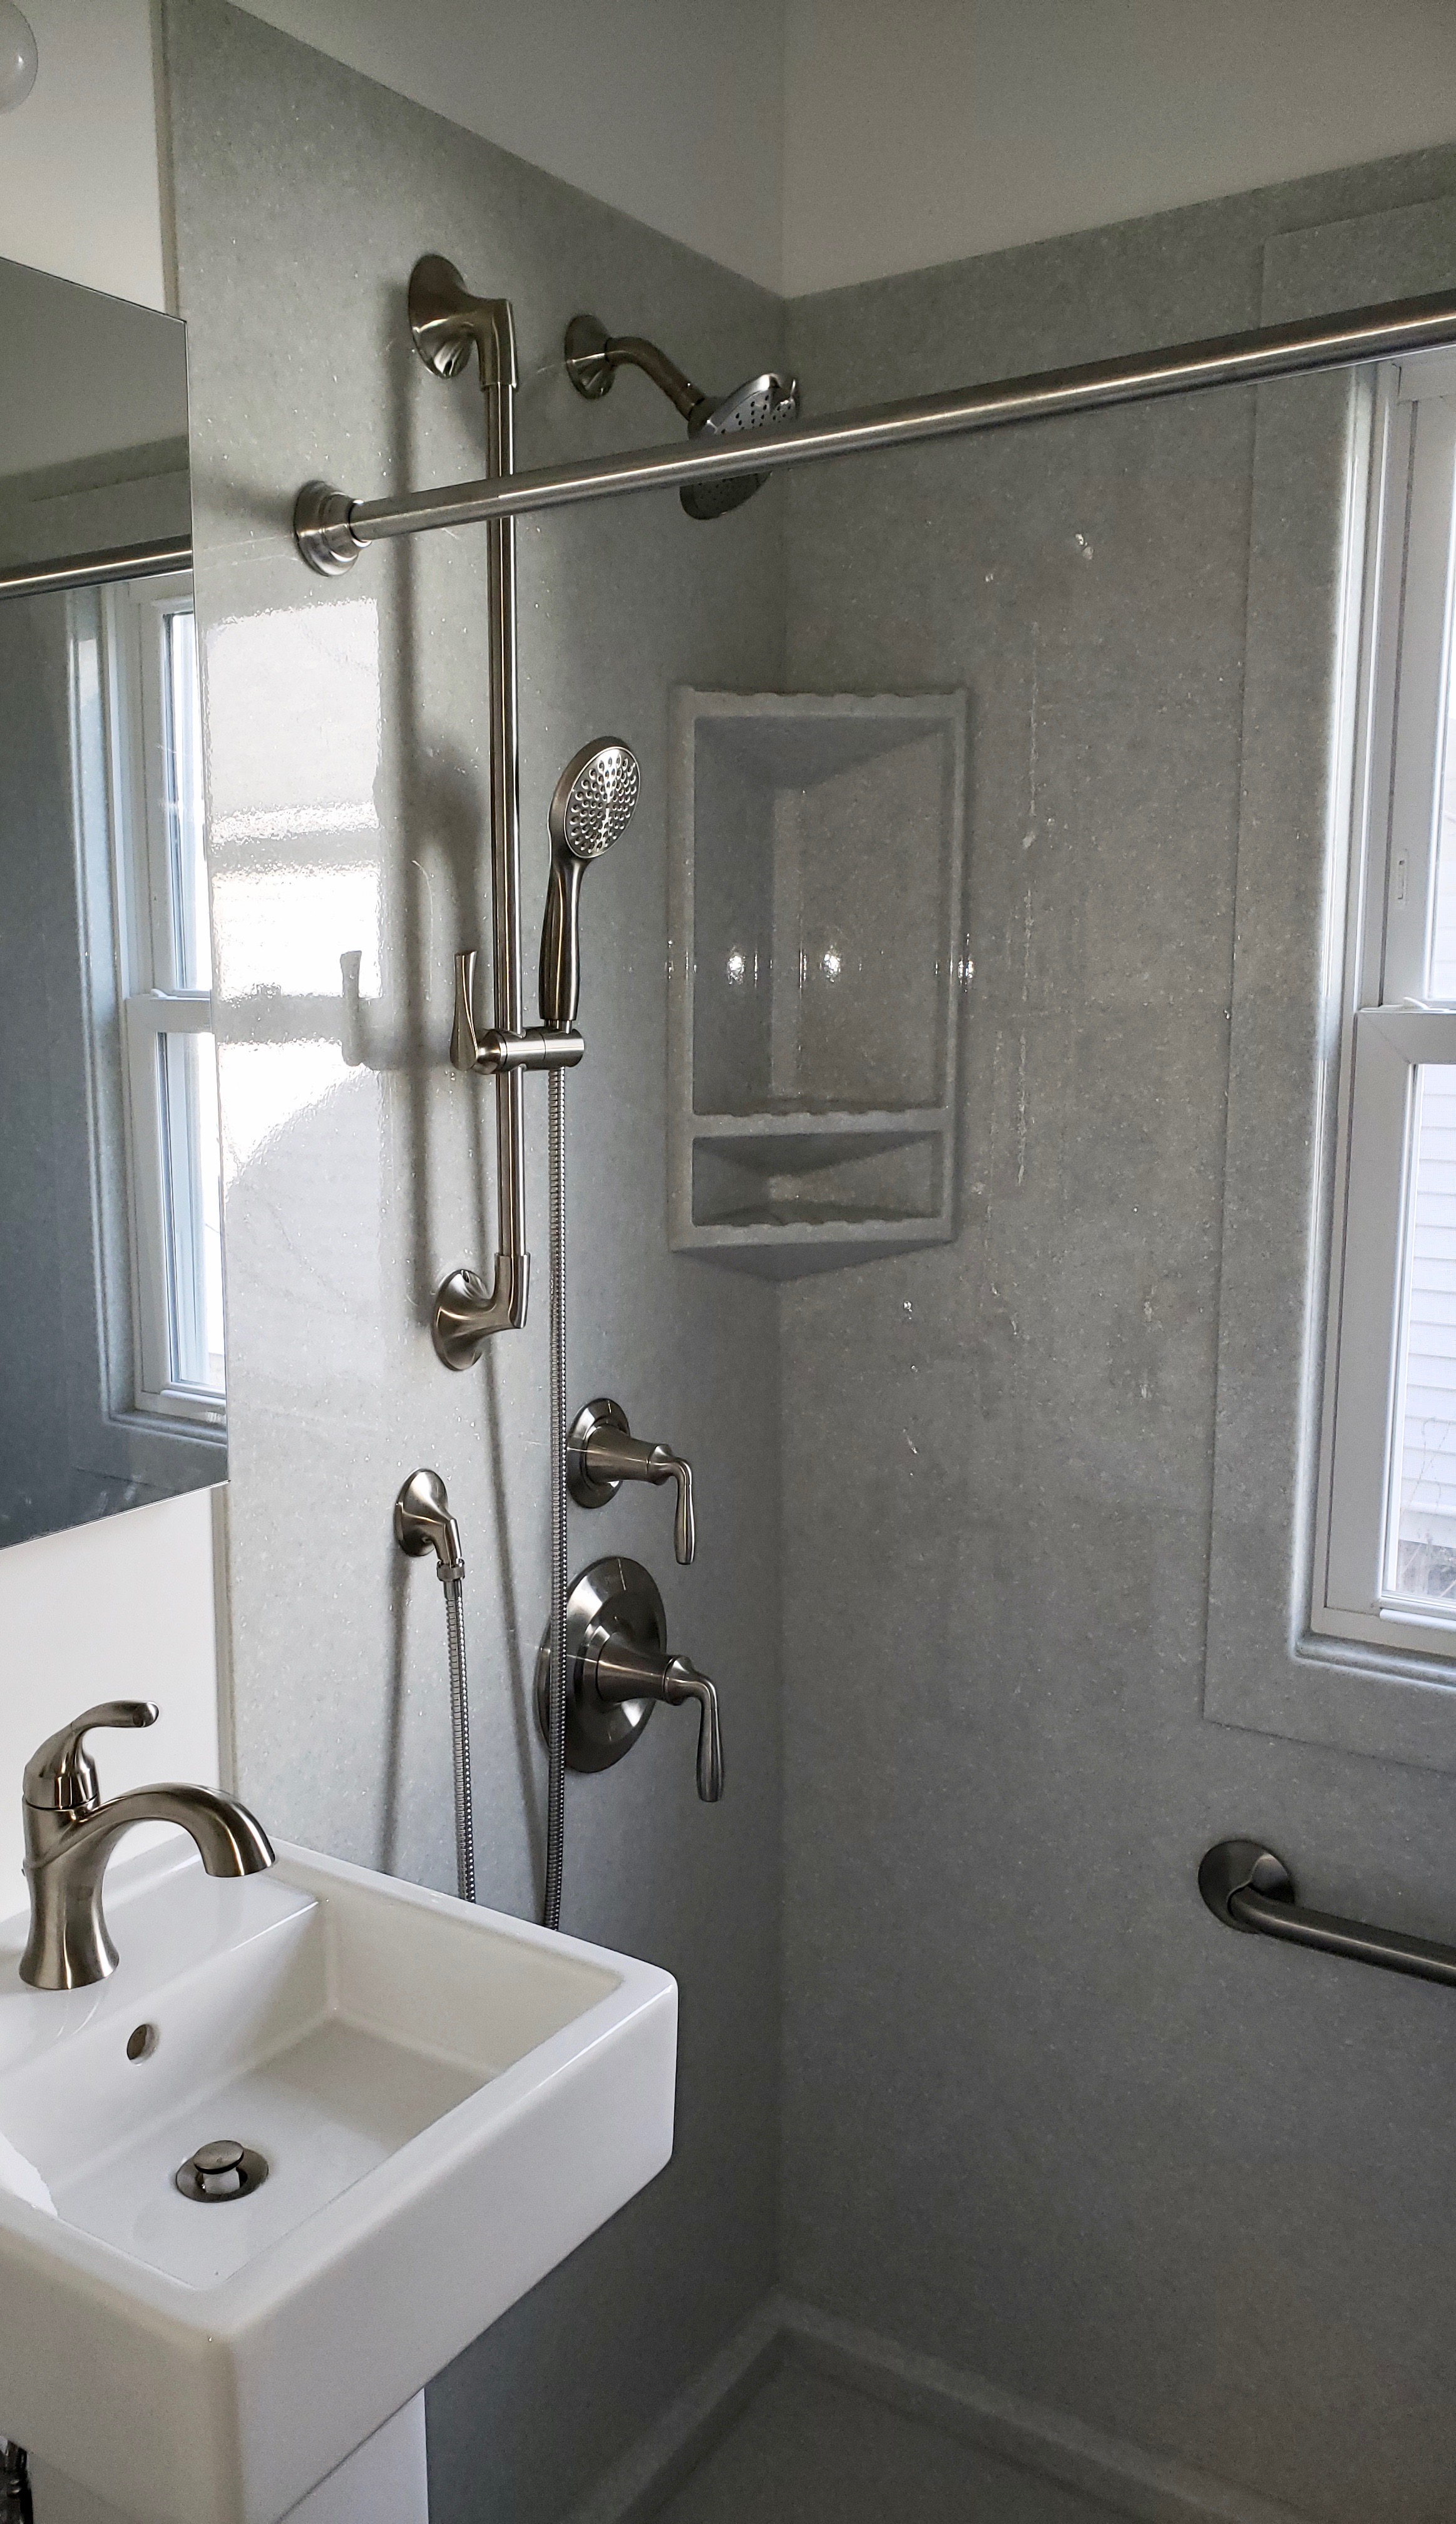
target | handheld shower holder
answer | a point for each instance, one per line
(593, 804)
(486, 1055)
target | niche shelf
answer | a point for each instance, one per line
(815, 967)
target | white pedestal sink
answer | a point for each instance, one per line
(448, 2101)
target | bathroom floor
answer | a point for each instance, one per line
(816, 2453)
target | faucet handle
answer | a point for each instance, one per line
(61, 1775)
(665, 1468)
(601, 1453)
(683, 1681)
(623, 1670)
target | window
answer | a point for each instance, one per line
(164, 996)
(1385, 1556)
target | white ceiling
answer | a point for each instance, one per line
(807, 144)
(927, 129)
(671, 110)
(813, 142)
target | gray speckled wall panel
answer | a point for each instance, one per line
(347, 750)
(1043, 2118)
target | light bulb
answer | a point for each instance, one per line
(18, 60)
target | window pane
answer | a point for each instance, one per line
(191, 938)
(1442, 974)
(1422, 1554)
(192, 1196)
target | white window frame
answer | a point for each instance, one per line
(153, 1000)
(1390, 1028)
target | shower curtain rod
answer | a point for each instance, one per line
(98, 568)
(332, 529)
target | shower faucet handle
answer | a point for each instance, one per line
(601, 1453)
(683, 1681)
(622, 1672)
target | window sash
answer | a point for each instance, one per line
(1391, 1028)
(161, 1170)
(158, 1001)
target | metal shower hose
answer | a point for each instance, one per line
(556, 1808)
(460, 1717)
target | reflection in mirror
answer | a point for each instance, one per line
(111, 1258)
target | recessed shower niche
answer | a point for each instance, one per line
(815, 975)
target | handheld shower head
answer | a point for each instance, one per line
(592, 358)
(593, 805)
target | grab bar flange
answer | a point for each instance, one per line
(1241, 1866)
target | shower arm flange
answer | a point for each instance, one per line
(594, 355)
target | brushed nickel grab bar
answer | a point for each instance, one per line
(331, 529)
(1247, 1887)
(97, 569)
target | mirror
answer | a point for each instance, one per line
(110, 1265)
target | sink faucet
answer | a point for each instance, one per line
(69, 1835)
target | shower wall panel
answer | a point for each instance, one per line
(348, 769)
(1045, 2119)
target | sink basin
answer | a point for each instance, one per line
(447, 2101)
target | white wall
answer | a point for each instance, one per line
(934, 128)
(79, 193)
(124, 1609)
(673, 114)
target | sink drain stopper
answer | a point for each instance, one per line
(220, 2170)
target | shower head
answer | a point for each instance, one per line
(592, 807)
(592, 358)
(756, 405)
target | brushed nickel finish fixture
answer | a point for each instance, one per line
(592, 358)
(69, 1835)
(618, 1669)
(98, 568)
(594, 803)
(448, 323)
(1247, 1887)
(423, 1523)
(328, 521)
(485, 1055)
(222, 2169)
(601, 1453)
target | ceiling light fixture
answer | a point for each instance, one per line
(19, 59)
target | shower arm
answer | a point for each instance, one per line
(593, 355)
(447, 324)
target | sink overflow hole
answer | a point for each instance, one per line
(141, 2042)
